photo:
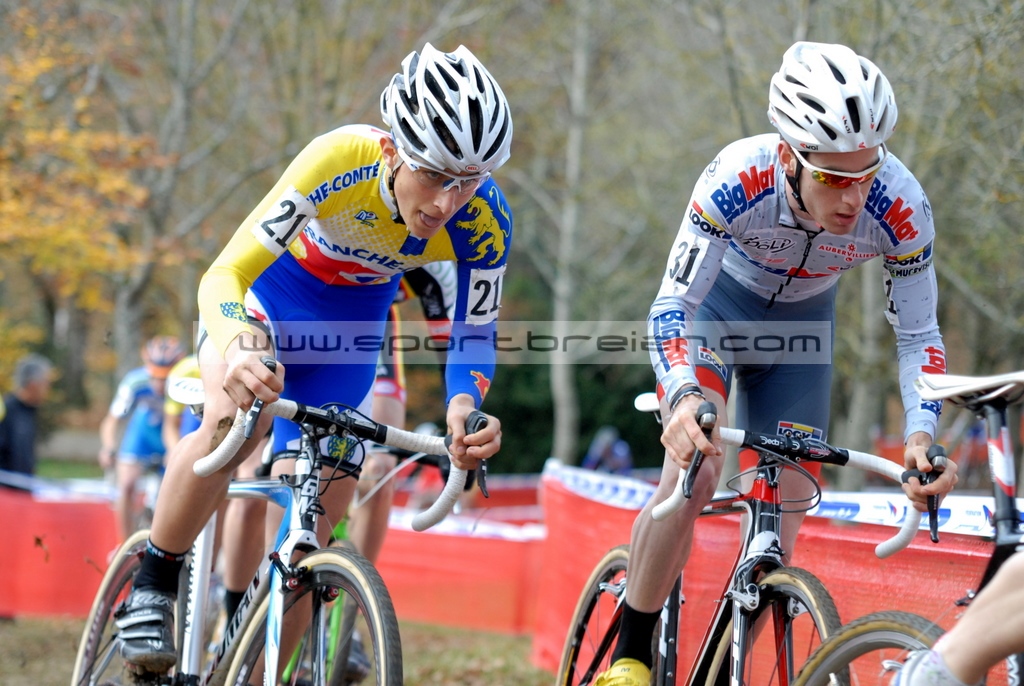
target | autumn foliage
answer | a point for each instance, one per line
(66, 184)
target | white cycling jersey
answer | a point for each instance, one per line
(738, 220)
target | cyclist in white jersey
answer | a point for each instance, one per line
(749, 295)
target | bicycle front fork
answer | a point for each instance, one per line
(668, 643)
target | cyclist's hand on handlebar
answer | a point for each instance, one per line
(915, 457)
(247, 377)
(465, 450)
(682, 434)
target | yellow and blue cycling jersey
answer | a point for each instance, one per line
(322, 248)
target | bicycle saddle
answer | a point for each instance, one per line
(965, 390)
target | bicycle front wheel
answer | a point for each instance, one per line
(794, 615)
(595, 623)
(330, 573)
(98, 660)
(869, 650)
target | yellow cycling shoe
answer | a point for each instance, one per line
(625, 672)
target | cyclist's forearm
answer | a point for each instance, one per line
(108, 434)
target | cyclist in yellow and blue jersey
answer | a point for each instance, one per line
(316, 266)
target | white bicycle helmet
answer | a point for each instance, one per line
(446, 112)
(827, 98)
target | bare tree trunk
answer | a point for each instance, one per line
(71, 334)
(563, 372)
(128, 319)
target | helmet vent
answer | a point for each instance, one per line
(442, 131)
(795, 122)
(840, 77)
(828, 130)
(410, 135)
(459, 66)
(449, 80)
(476, 122)
(409, 99)
(851, 106)
(492, 151)
(435, 89)
(446, 137)
(812, 103)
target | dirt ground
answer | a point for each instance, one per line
(40, 652)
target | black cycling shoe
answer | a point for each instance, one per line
(146, 624)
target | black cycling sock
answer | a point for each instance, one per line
(159, 570)
(636, 635)
(232, 599)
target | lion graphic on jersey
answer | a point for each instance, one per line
(487, 231)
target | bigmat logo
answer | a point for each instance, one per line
(755, 185)
(892, 214)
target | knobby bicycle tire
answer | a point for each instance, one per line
(341, 630)
(868, 650)
(98, 660)
(343, 622)
(595, 626)
(328, 573)
(792, 603)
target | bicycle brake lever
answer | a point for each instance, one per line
(476, 421)
(253, 415)
(937, 457)
(707, 415)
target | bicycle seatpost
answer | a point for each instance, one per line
(253, 414)
(707, 415)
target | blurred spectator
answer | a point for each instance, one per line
(609, 453)
(32, 378)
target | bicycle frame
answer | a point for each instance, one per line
(761, 587)
(759, 552)
(299, 499)
(1006, 519)
(877, 644)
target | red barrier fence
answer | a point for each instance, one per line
(54, 554)
(485, 571)
(925, 578)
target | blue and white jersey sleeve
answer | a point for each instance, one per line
(133, 386)
(901, 208)
(693, 265)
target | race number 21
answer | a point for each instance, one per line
(280, 224)
(484, 295)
